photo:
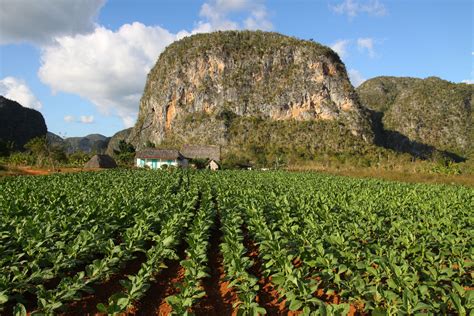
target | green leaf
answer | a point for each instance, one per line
(458, 288)
(172, 300)
(168, 241)
(457, 304)
(391, 283)
(120, 300)
(372, 271)
(200, 294)
(379, 312)
(295, 305)
(278, 280)
(3, 298)
(261, 310)
(101, 308)
(187, 264)
(423, 289)
(421, 306)
(19, 310)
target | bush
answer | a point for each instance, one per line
(79, 158)
(44, 153)
(5, 148)
(125, 153)
(21, 159)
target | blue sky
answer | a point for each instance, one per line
(83, 63)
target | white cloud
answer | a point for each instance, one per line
(17, 90)
(356, 77)
(340, 47)
(86, 119)
(69, 119)
(366, 44)
(41, 21)
(352, 8)
(258, 20)
(216, 13)
(468, 81)
(108, 68)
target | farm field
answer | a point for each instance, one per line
(233, 242)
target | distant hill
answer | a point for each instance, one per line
(19, 124)
(418, 115)
(96, 143)
(54, 139)
(115, 139)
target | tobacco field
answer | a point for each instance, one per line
(181, 242)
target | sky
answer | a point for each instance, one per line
(83, 63)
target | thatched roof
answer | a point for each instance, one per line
(201, 152)
(101, 161)
(166, 154)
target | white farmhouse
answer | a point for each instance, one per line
(156, 158)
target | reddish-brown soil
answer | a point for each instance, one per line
(31, 300)
(153, 303)
(39, 172)
(334, 298)
(102, 292)
(36, 171)
(267, 296)
(219, 297)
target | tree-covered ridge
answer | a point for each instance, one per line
(430, 111)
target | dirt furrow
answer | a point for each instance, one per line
(102, 291)
(153, 303)
(267, 295)
(219, 297)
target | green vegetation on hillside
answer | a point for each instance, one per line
(202, 86)
(421, 116)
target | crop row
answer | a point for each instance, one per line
(329, 245)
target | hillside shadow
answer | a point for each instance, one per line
(400, 143)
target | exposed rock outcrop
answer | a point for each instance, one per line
(19, 124)
(209, 88)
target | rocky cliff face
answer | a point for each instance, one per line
(205, 87)
(19, 124)
(418, 113)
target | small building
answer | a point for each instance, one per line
(156, 158)
(208, 153)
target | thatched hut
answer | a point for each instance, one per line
(101, 161)
(208, 152)
(203, 156)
